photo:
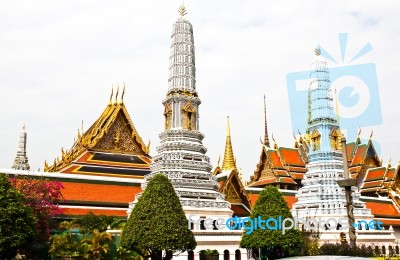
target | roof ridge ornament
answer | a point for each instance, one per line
(122, 96)
(116, 96)
(111, 96)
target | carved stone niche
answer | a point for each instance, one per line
(189, 116)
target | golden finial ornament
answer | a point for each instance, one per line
(372, 132)
(111, 96)
(359, 132)
(182, 10)
(123, 93)
(116, 96)
(317, 51)
(229, 159)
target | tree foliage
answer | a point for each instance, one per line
(158, 222)
(67, 243)
(91, 222)
(273, 243)
(17, 221)
(97, 246)
(43, 196)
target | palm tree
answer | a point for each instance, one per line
(65, 244)
(97, 246)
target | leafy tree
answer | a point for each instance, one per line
(91, 222)
(96, 246)
(43, 197)
(17, 221)
(158, 223)
(272, 243)
(67, 243)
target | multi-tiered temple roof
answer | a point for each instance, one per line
(110, 147)
(103, 170)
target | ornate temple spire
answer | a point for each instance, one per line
(323, 127)
(229, 160)
(182, 69)
(21, 160)
(266, 139)
(320, 108)
(181, 154)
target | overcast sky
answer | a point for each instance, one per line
(59, 59)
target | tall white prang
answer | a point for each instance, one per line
(181, 155)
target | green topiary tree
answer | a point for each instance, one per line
(17, 221)
(158, 223)
(273, 243)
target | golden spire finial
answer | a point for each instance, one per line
(229, 160)
(182, 10)
(123, 93)
(317, 51)
(266, 139)
(116, 95)
(372, 132)
(111, 96)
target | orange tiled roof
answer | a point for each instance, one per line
(390, 174)
(354, 169)
(83, 212)
(74, 191)
(392, 222)
(371, 184)
(263, 182)
(381, 209)
(274, 158)
(350, 150)
(239, 210)
(291, 156)
(289, 199)
(282, 173)
(360, 154)
(297, 176)
(297, 169)
(375, 174)
(221, 184)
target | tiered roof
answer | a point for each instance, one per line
(283, 167)
(114, 159)
(110, 147)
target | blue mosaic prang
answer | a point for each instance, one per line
(356, 88)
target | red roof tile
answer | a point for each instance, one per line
(289, 199)
(350, 150)
(83, 212)
(379, 209)
(274, 158)
(360, 154)
(375, 174)
(390, 174)
(239, 210)
(99, 192)
(291, 156)
(282, 173)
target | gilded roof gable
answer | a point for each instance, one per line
(112, 132)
